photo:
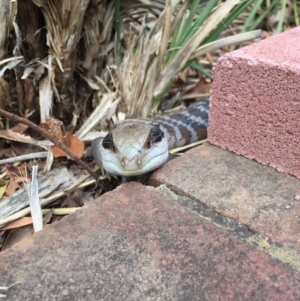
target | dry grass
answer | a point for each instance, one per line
(64, 56)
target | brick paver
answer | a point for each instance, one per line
(137, 244)
(250, 193)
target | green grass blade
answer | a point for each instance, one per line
(252, 14)
(200, 69)
(232, 16)
(189, 21)
(280, 23)
(295, 9)
(199, 21)
(262, 16)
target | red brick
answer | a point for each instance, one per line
(252, 194)
(255, 102)
(135, 244)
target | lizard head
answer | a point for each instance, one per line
(132, 148)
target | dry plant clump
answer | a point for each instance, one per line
(61, 62)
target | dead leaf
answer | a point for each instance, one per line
(17, 235)
(265, 34)
(56, 128)
(76, 146)
(2, 182)
(20, 222)
(202, 87)
(19, 128)
(15, 134)
(183, 75)
(209, 58)
(12, 169)
(14, 183)
(18, 175)
(12, 186)
(22, 148)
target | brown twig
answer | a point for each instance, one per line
(55, 141)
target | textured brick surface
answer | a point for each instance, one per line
(135, 244)
(254, 195)
(255, 102)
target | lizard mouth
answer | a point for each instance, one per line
(135, 166)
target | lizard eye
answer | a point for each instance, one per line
(108, 143)
(156, 135)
